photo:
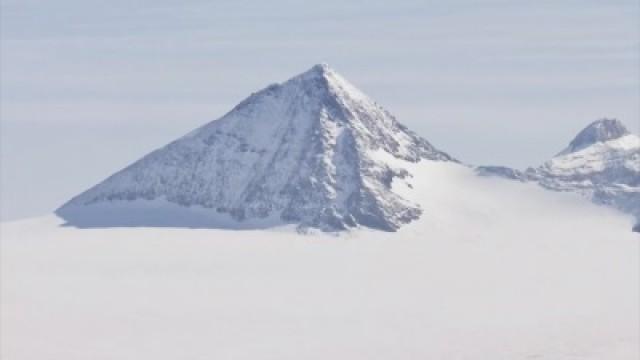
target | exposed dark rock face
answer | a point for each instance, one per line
(502, 171)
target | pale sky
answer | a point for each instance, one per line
(88, 86)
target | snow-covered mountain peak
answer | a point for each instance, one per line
(323, 78)
(604, 147)
(320, 69)
(598, 131)
(622, 154)
(313, 151)
(601, 163)
(321, 75)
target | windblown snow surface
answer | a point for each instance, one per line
(493, 269)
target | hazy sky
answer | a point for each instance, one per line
(89, 86)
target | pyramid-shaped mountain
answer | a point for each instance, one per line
(313, 151)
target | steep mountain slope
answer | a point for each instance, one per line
(602, 163)
(313, 151)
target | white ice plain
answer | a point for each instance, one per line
(493, 269)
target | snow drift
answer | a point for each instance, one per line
(493, 269)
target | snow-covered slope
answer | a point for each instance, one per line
(493, 269)
(313, 151)
(601, 163)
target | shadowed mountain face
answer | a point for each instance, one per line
(313, 151)
(598, 131)
(601, 163)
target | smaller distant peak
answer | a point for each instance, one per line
(601, 130)
(608, 125)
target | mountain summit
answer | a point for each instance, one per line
(598, 131)
(313, 151)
